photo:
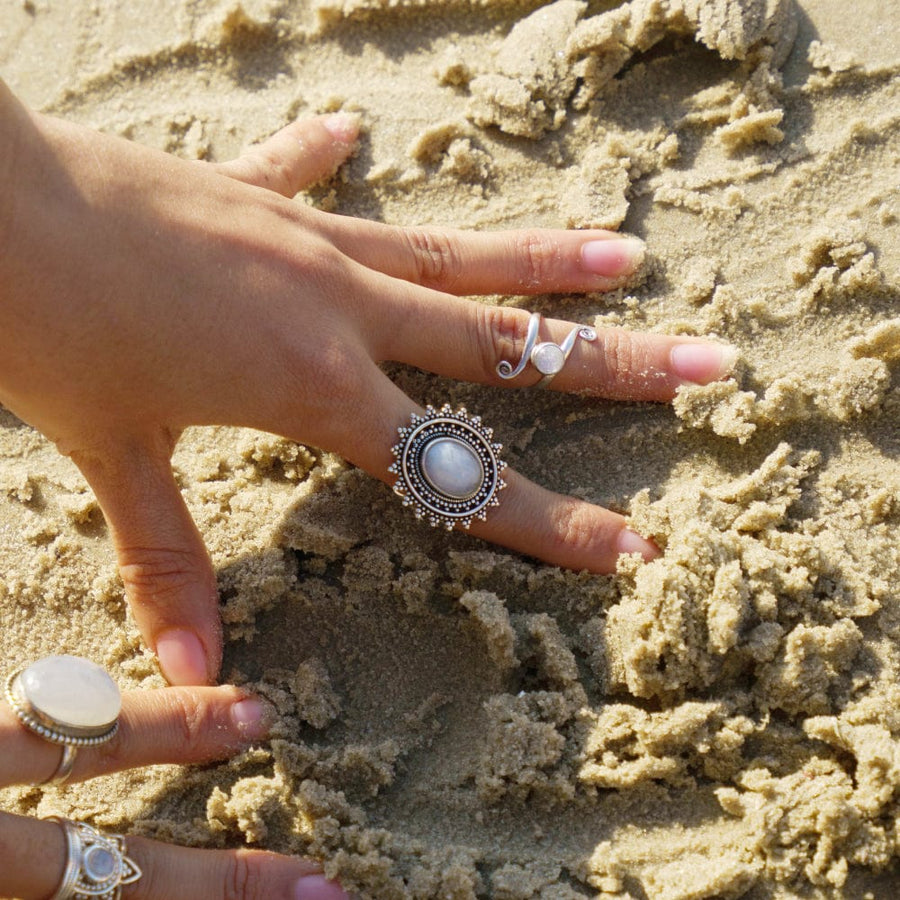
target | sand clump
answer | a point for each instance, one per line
(455, 720)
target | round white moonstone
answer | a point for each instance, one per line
(72, 691)
(452, 468)
(548, 359)
(99, 864)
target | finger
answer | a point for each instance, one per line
(297, 156)
(33, 858)
(167, 573)
(180, 726)
(556, 529)
(466, 340)
(531, 261)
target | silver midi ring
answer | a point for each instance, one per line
(447, 467)
(548, 358)
(96, 864)
(66, 700)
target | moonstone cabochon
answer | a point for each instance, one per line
(71, 691)
(452, 467)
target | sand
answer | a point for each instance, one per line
(458, 721)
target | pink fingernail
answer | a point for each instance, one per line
(252, 717)
(181, 657)
(613, 257)
(631, 542)
(702, 362)
(344, 127)
(318, 887)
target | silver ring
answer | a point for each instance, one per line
(447, 467)
(548, 358)
(66, 700)
(96, 864)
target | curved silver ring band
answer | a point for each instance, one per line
(68, 737)
(96, 864)
(548, 358)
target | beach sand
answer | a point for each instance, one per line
(458, 721)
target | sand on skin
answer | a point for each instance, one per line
(457, 721)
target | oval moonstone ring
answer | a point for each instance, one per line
(66, 700)
(447, 467)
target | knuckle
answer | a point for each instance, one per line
(192, 720)
(436, 259)
(573, 528)
(275, 171)
(501, 333)
(618, 353)
(160, 574)
(537, 256)
(244, 877)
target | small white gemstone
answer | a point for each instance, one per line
(72, 691)
(99, 864)
(452, 468)
(548, 359)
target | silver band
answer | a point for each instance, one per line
(71, 738)
(96, 864)
(548, 358)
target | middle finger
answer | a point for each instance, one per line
(169, 725)
(466, 339)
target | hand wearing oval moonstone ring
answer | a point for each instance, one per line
(548, 358)
(66, 700)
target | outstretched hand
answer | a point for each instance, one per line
(141, 293)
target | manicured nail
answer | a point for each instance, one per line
(702, 362)
(252, 717)
(318, 887)
(631, 542)
(181, 657)
(344, 127)
(613, 257)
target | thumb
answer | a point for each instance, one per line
(168, 575)
(298, 155)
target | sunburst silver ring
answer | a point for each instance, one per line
(448, 467)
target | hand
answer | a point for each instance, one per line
(140, 294)
(174, 726)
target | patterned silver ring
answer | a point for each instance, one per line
(40, 693)
(447, 467)
(96, 864)
(548, 358)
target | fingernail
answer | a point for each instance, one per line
(182, 657)
(613, 257)
(318, 887)
(252, 717)
(344, 127)
(631, 542)
(702, 362)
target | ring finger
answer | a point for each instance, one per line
(559, 530)
(33, 856)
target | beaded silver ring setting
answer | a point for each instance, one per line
(447, 467)
(96, 863)
(65, 700)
